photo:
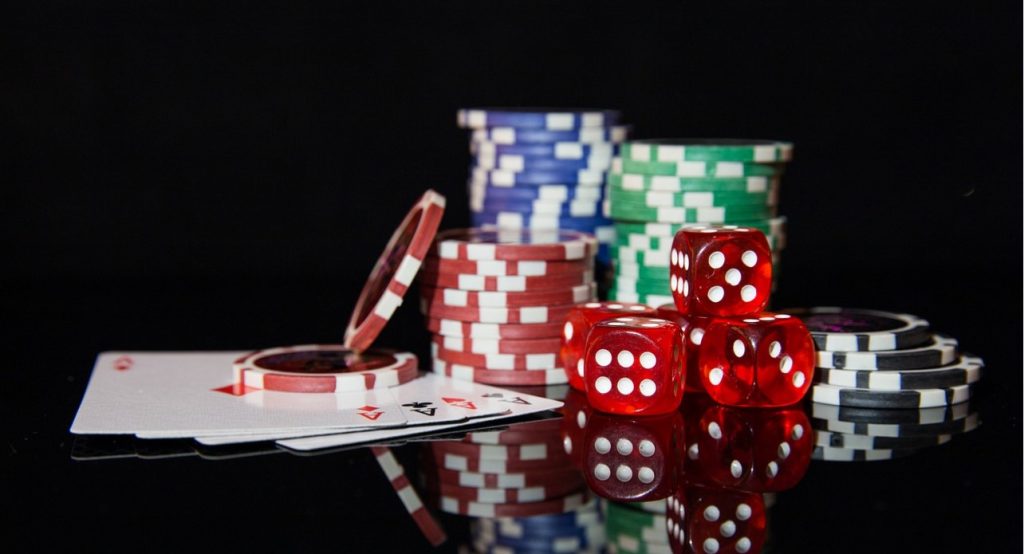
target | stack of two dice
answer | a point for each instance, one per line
(631, 359)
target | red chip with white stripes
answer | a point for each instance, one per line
(515, 244)
(324, 368)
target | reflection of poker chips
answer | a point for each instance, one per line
(869, 417)
(548, 119)
(938, 351)
(965, 424)
(483, 509)
(636, 531)
(510, 362)
(497, 331)
(907, 398)
(495, 346)
(550, 450)
(462, 298)
(537, 493)
(868, 442)
(845, 329)
(324, 368)
(831, 454)
(457, 462)
(394, 271)
(522, 480)
(500, 377)
(965, 371)
(579, 530)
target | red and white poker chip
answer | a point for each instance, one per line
(507, 480)
(490, 299)
(499, 346)
(500, 362)
(546, 269)
(510, 496)
(520, 315)
(457, 462)
(394, 271)
(504, 283)
(500, 377)
(494, 331)
(483, 509)
(324, 368)
(514, 244)
(551, 450)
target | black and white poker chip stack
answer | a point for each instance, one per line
(885, 385)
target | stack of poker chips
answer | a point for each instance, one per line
(637, 527)
(495, 301)
(658, 186)
(539, 168)
(521, 472)
(885, 385)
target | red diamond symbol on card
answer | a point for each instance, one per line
(123, 363)
(235, 389)
(368, 408)
(459, 402)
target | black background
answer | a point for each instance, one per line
(223, 176)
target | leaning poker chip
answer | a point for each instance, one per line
(868, 442)
(938, 351)
(833, 454)
(964, 371)
(502, 268)
(639, 182)
(519, 315)
(500, 377)
(463, 298)
(394, 271)
(507, 362)
(518, 163)
(516, 135)
(531, 478)
(510, 496)
(506, 283)
(707, 150)
(697, 169)
(498, 346)
(965, 424)
(506, 178)
(324, 368)
(483, 509)
(497, 331)
(856, 330)
(548, 119)
(499, 244)
(429, 526)
(864, 398)
(564, 150)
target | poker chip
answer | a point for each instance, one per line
(639, 182)
(394, 271)
(870, 442)
(504, 437)
(560, 150)
(966, 370)
(520, 315)
(514, 244)
(711, 214)
(327, 368)
(461, 298)
(683, 150)
(507, 480)
(690, 199)
(497, 331)
(703, 169)
(483, 509)
(951, 427)
(854, 330)
(508, 362)
(907, 398)
(510, 495)
(543, 193)
(833, 454)
(636, 531)
(548, 119)
(500, 377)
(523, 163)
(495, 346)
(517, 135)
(938, 351)
(503, 268)
(506, 178)
(507, 283)
(880, 419)
(531, 221)
(549, 450)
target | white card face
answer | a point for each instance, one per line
(175, 394)
(430, 399)
(517, 405)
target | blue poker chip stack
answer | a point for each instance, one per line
(542, 168)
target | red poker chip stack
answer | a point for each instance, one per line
(495, 301)
(519, 472)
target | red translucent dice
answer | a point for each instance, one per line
(715, 520)
(632, 459)
(692, 328)
(720, 270)
(634, 366)
(762, 361)
(576, 414)
(577, 326)
(752, 450)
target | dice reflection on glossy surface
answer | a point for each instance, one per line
(692, 328)
(715, 521)
(577, 326)
(761, 361)
(634, 366)
(720, 270)
(632, 459)
(576, 414)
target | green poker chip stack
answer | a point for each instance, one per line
(657, 187)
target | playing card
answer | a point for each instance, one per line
(186, 394)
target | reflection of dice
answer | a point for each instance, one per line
(692, 328)
(577, 326)
(753, 450)
(575, 416)
(761, 361)
(632, 459)
(710, 520)
(634, 366)
(720, 270)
